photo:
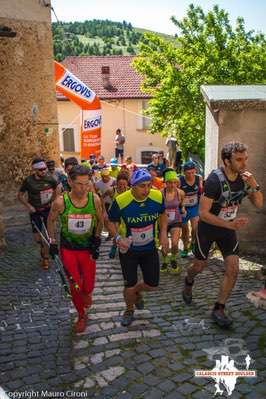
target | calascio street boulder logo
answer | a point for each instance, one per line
(225, 374)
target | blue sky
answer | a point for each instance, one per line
(155, 14)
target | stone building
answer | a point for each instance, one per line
(28, 112)
(238, 113)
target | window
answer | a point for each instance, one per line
(146, 156)
(144, 122)
(68, 140)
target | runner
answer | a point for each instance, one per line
(139, 211)
(69, 163)
(223, 193)
(191, 184)
(122, 185)
(173, 198)
(102, 188)
(156, 182)
(41, 189)
(114, 169)
(80, 215)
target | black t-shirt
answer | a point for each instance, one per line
(212, 189)
(40, 191)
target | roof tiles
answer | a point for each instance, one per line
(125, 82)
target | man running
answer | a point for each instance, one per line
(41, 190)
(223, 192)
(80, 215)
(139, 211)
(191, 184)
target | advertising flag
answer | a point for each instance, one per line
(78, 92)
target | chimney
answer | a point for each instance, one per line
(106, 77)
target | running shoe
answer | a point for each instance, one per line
(164, 267)
(45, 263)
(221, 319)
(127, 318)
(174, 266)
(139, 302)
(184, 253)
(187, 292)
(112, 252)
(80, 324)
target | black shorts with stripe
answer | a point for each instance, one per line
(207, 234)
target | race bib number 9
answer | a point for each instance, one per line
(46, 196)
(191, 200)
(79, 224)
(228, 213)
(142, 235)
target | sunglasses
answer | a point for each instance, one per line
(41, 170)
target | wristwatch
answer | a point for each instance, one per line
(256, 189)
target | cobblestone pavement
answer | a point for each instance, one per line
(154, 358)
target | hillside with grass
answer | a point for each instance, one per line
(97, 37)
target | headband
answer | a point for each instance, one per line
(170, 175)
(39, 165)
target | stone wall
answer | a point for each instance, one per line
(248, 126)
(27, 101)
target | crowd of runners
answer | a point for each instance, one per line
(146, 212)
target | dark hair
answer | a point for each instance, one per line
(37, 160)
(123, 176)
(230, 148)
(71, 161)
(78, 170)
(50, 163)
(118, 130)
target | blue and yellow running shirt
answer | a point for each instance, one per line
(138, 219)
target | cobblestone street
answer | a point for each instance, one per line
(154, 358)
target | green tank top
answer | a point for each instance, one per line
(77, 224)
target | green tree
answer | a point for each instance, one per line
(206, 51)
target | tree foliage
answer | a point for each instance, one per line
(206, 51)
(94, 37)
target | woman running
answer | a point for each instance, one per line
(173, 198)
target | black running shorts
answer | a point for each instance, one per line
(36, 218)
(207, 234)
(149, 264)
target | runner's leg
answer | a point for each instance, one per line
(70, 261)
(231, 264)
(87, 266)
(194, 224)
(175, 235)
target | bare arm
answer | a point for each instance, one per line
(182, 198)
(256, 199)
(99, 215)
(57, 191)
(163, 222)
(208, 217)
(113, 228)
(56, 208)
(23, 200)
